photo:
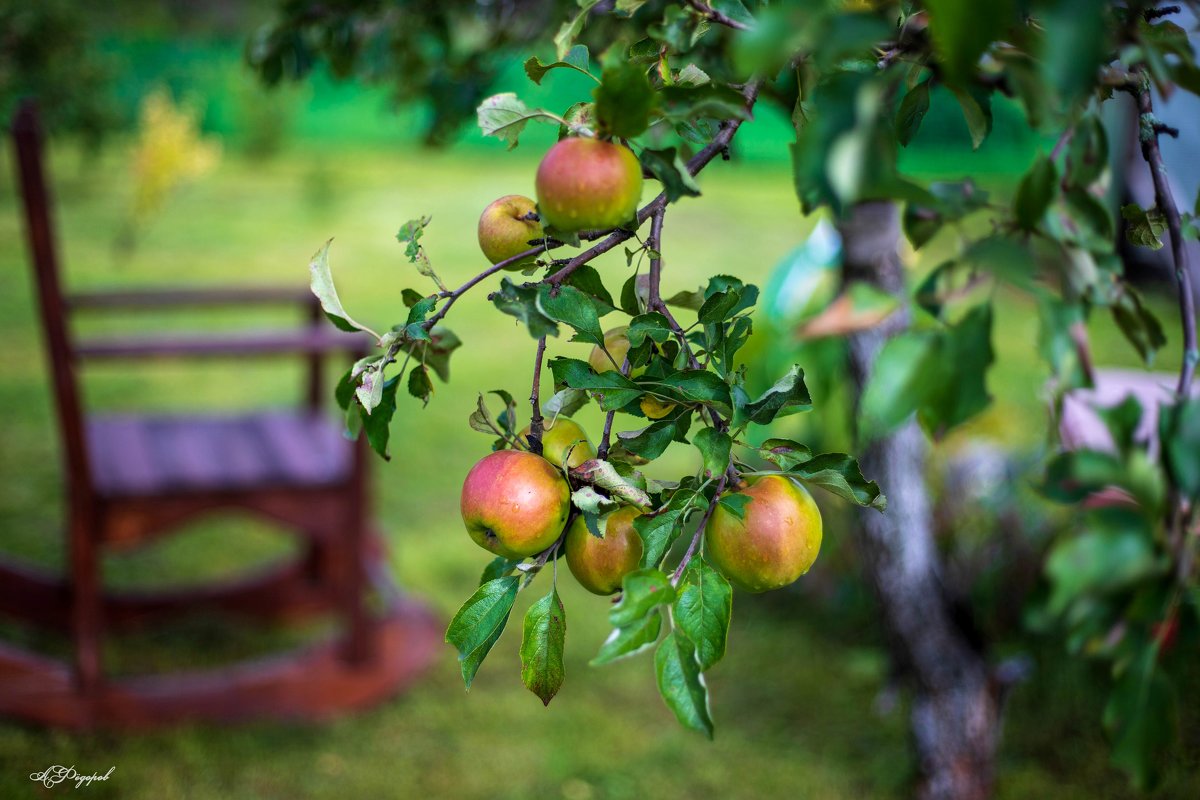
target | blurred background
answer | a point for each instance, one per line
(177, 166)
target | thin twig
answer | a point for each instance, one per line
(718, 145)
(535, 422)
(492, 270)
(691, 551)
(1166, 204)
(1151, 14)
(602, 451)
(712, 15)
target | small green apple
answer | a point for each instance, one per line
(616, 342)
(559, 437)
(506, 228)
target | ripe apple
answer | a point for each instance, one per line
(505, 228)
(584, 183)
(600, 564)
(560, 436)
(777, 541)
(617, 343)
(515, 503)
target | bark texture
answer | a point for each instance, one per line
(955, 711)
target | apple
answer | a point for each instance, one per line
(584, 183)
(559, 437)
(600, 564)
(777, 541)
(505, 228)
(616, 342)
(515, 503)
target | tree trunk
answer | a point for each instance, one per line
(955, 711)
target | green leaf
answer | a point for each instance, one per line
(963, 31)
(629, 489)
(1141, 718)
(734, 9)
(684, 103)
(681, 684)
(576, 58)
(568, 305)
(784, 453)
(1144, 227)
(409, 235)
(965, 356)
(900, 380)
(419, 385)
(614, 389)
(1138, 323)
(642, 591)
(735, 504)
(628, 8)
(690, 386)
(724, 297)
(504, 116)
(564, 403)
(377, 423)
(1035, 193)
(1087, 154)
(630, 639)
(692, 301)
(1114, 551)
(522, 302)
(703, 610)
(840, 474)
(911, 112)
(591, 502)
(498, 567)
(1179, 431)
(624, 100)
(321, 284)
(587, 280)
(977, 111)
(672, 172)
(435, 351)
(651, 441)
(789, 395)
(679, 29)
(1073, 475)
(570, 30)
(714, 447)
(651, 325)
(479, 623)
(658, 533)
(542, 645)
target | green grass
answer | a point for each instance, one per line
(793, 700)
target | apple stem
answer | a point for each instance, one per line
(535, 423)
(695, 543)
(602, 452)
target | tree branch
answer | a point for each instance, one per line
(691, 551)
(712, 15)
(718, 145)
(602, 451)
(535, 422)
(1149, 133)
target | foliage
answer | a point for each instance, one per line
(169, 153)
(676, 80)
(46, 53)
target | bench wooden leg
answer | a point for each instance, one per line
(86, 617)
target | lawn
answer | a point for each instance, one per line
(793, 701)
